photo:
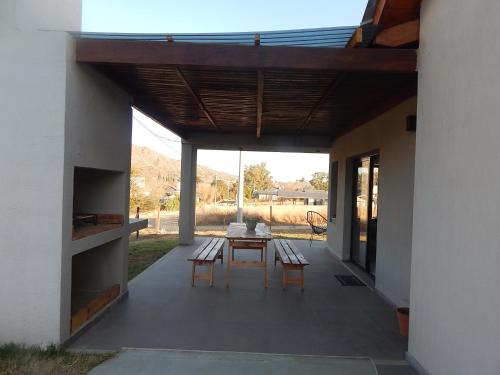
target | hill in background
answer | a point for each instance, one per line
(154, 166)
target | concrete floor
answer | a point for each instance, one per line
(153, 362)
(163, 311)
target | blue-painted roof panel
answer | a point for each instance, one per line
(323, 37)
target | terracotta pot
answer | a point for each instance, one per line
(403, 320)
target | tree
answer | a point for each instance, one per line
(221, 190)
(135, 193)
(171, 204)
(233, 190)
(137, 196)
(319, 180)
(257, 177)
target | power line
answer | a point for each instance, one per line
(158, 136)
(161, 139)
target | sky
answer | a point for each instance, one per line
(197, 16)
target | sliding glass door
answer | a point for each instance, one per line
(365, 212)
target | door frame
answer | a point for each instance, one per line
(352, 196)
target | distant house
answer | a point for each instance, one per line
(138, 184)
(307, 197)
(170, 193)
(139, 181)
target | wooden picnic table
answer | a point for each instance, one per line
(240, 238)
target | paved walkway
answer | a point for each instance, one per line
(163, 311)
(153, 362)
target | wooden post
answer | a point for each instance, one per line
(257, 39)
(212, 274)
(270, 218)
(241, 181)
(158, 217)
(193, 271)
(215, 195)
(137, 217)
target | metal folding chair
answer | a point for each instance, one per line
(318, 224)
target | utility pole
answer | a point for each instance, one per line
(215, 195)
(239, 216)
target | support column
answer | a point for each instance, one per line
(188, 194)
(241, 181)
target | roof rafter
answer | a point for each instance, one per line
(333, 84)
(196, 98)
(399, 35)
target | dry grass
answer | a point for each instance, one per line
(18, 360)
(282, 214)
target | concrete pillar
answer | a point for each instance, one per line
(188, 194)
(241, 179)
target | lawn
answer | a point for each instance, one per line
(18, 360)
(146, 250)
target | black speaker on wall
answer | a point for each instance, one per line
(411, 123)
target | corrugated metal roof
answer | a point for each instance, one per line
(322, 37)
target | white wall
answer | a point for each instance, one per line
(98, 135)
(56, 115)
(455, 286)
(386, 134)
(32, 100)
(33, 15)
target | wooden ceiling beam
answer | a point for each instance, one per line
(388, 13)
(204, 55)
(399, 35)
(196, 98)
(260, 100)
(379, 9)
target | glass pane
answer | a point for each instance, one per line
(372, 225)
(363, 191)
(375, 192)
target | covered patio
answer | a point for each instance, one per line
(163, 311)
(295, 91)
(288, 91)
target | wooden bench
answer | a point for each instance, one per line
(292, 260)
(206, 255)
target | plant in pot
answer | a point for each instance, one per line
(251, 223)
(403, 314)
